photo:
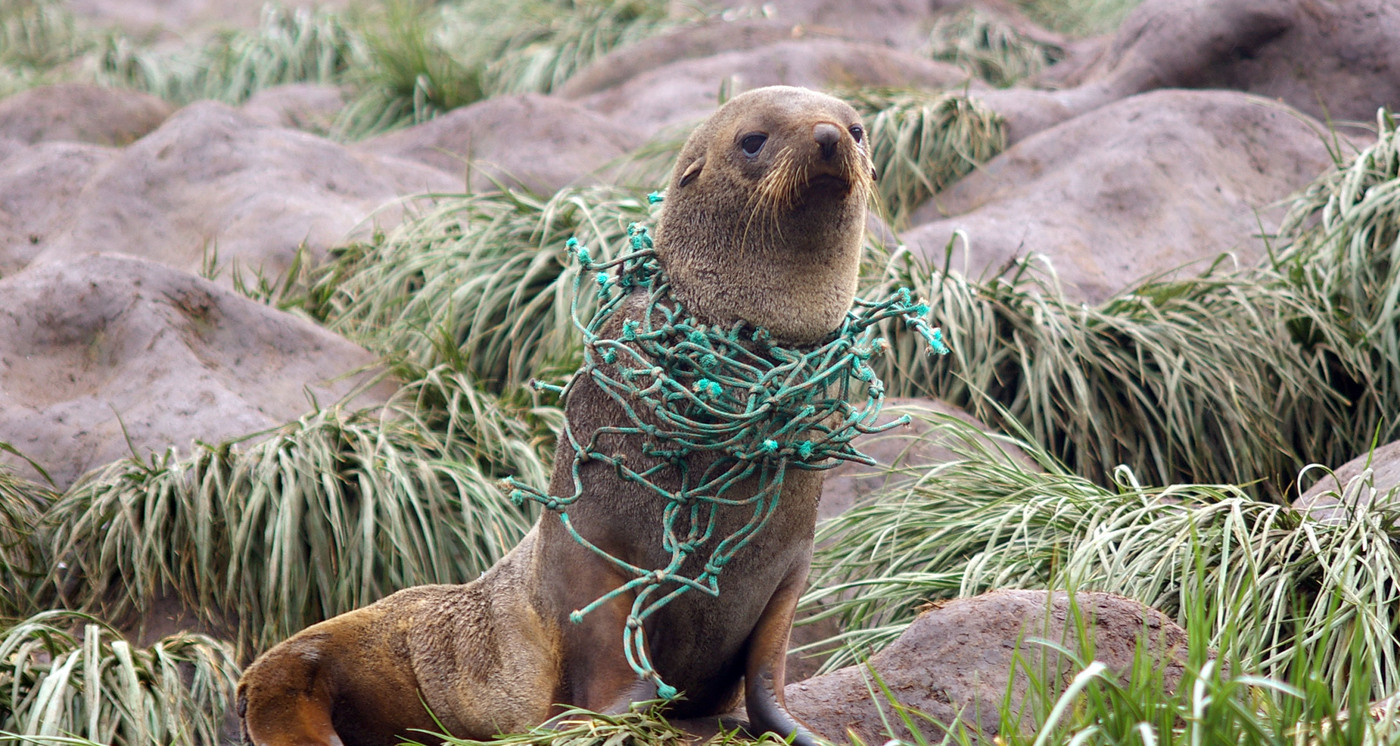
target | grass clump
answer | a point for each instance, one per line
(1078, 17)
(984, 522)
(482, 283)
(1195, 380)
(425, 59)
(65, 675)
(989, 47)
(643, 724)
(564, 36)
(330, 513)
(22, 503)
(922, 142)
(408, 76)
(1341, 255)
(1213, 703)
(289, 46)
(37, 38)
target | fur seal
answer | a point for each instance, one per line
(762, 223)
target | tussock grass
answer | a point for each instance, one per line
(1271, 573)
(988, 47)
(36, 38)
(1214, 703)
(641, 725)
(565, 36)
(1340, 254)
(289, 46)
(409, 75)
(922, 142)
(66, 674)
(1078, 17)
(425, 59)
(39, 34)
(1196, 380)
(481, 282)
(330, 513)
(22, 503)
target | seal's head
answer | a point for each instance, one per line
(765, 213)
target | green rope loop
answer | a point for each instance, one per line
(767, 407)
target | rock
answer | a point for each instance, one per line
(308, 107)
(38, 185)
(1337, 61)
(79, 112)
(915, 447)
(958, 658)
(1149, 185)
(1324, 58)
(177, 18)
(103, 350)
(679, 94)
(692, 41)
(210, 180)
(902, 24)
(538, 143)
(1365, 481)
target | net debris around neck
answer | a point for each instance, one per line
(689, 388)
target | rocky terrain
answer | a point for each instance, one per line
(134, 232)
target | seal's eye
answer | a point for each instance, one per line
(857, 132)
(752, 143)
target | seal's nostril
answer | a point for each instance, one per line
(827, 136)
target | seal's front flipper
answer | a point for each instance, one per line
(767, 665)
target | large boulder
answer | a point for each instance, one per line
(712, 36)
(103, 353)
(680, 94)
(79, 112)
(538, 143)
(310, 107)
(38, 186)
(902, 24)
(964, 657)
(1337, 61)
(1366, 481)
(1328, 59)
(1163, 181)
(211, 182)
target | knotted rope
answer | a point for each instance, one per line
(691, 388)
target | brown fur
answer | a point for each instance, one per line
(773, 239)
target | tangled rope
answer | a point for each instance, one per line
(691, 388)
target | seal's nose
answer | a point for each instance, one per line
(827, 136)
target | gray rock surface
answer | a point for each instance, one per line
(902, 24)
(1331, 60)
(78, 112)
(102, 353)
(675, 96)
(1337, 59)
(1368, 480)
(956, 660)
(210, 180)
(1144, 186)
(538, 143)
(302, 106)
(38, 186)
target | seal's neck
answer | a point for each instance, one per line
(796, 281)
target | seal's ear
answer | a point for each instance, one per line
(692, 171)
